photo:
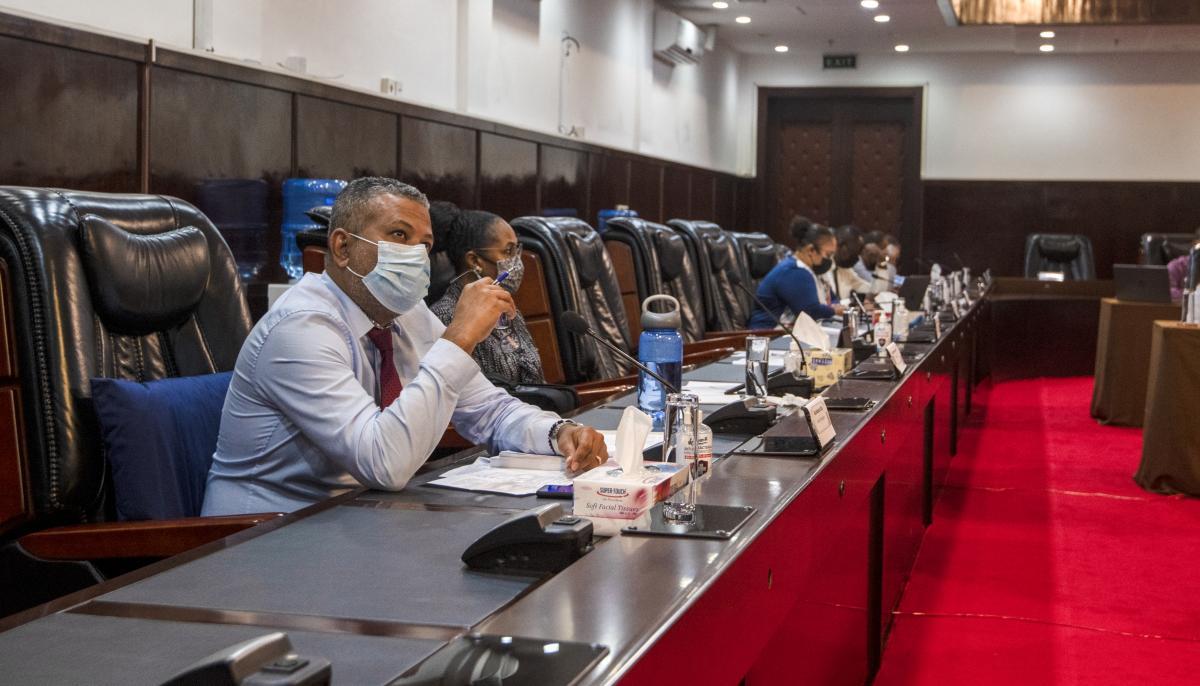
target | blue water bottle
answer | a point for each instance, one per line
(300, 195)
(661, 349)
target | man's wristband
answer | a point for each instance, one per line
(552, 437)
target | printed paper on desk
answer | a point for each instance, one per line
(819, 421)
(898, 362)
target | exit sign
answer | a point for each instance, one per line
(841, 61)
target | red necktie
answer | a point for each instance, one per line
(389, 379)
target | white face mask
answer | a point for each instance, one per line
(400, 278)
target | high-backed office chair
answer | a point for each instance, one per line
(1193, 278)
(713, 250)
(579, 276)
(659, 258)
(759, 255)
(135, 287)
(1161, 248)
(1070, 254)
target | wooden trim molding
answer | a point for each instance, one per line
(135, 539)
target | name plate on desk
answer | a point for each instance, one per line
(819, 421)
(937, 327)
(898, 362)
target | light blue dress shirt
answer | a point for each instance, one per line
(301, 422)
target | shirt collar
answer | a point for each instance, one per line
(358, 320)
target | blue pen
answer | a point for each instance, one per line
(502, 323)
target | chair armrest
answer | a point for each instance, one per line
(161, 538)
(704, 356)
(742, 333)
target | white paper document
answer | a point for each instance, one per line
(711, 392)
(481, 476)
(774, 358)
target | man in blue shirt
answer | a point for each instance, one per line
(350, 380)
(794, 283)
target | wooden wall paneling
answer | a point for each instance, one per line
(877, 161)
(14, 495)
(985, 223)
(723, 203)
(1112, 215)
(645, 189)
(563, 177)
(703, 196)
(608, 183)
(508, 175)
(340, 141)
(204, 128)
(801, 174)
(677, 194)
(439, 159)
(69, 118)
(745, 217)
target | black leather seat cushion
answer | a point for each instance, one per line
(580, 277)
(136, 287)
(663, 265)
(1067, 253)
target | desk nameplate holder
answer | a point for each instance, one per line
(719, 522)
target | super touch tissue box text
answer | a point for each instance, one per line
(606, 491)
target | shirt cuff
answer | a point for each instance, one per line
(451, 362)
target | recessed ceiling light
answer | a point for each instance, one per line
(743, 19)
(781, 48)
(721, 5)
(882, 18)
(902, 48)
(1046, 34)
(870, 4)
(1046, 48)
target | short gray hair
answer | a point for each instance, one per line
(350, 207)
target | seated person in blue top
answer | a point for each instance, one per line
(349, 380)
(485, 244)
(794, 284)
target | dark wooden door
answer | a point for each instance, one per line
(841, 156)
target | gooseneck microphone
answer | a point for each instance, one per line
(576, 324)
(736, 280)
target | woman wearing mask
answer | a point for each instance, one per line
(483, 244)
(795, 284)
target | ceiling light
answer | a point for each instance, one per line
(1046, 48)
(743, 19)
(902, 48)
(870, 4)
(1046, 34)
(721, 5)
(781, 48)
(882, 18)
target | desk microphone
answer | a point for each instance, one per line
(736, 280)
(576, 324)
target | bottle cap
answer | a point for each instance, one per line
(670, 319)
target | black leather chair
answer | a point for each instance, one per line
(759, 255)
(1193, 277)
(726, 307)
(1161, 248)
(662, 264)
(136, 287)
(1070, 254)
(579, 276)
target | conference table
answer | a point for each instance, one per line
(373, 581)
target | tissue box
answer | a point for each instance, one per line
(608, 492)
(827, 367)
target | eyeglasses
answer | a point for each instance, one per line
(506, 253)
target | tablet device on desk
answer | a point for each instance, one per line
(871, 373)
(790, 437)
(1142, 283)
(849, 404)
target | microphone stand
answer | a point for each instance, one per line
(778, 322)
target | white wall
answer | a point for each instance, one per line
(493, 59)
(1042, 117)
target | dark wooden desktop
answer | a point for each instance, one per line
(802, 593)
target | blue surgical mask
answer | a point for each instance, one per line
(400, 278)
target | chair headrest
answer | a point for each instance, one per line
(760, 259)
(320, 214)
(1059, 249)
(588, 251)
(143, 283)
(718, 251)
(1174, 249)
(671, 253)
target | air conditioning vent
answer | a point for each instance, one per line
(677, 40)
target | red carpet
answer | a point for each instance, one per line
(1045, 563)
